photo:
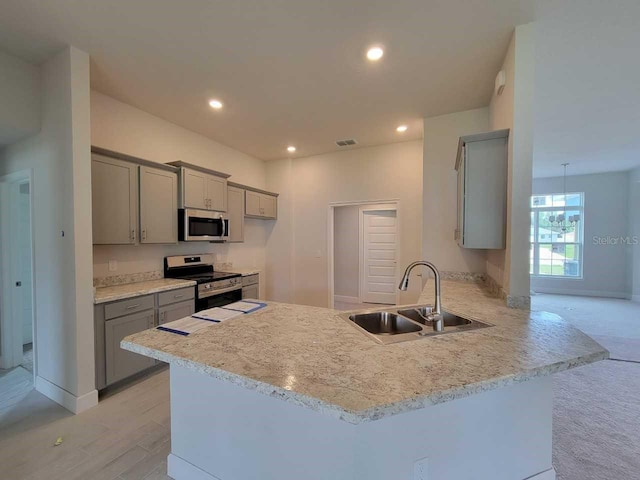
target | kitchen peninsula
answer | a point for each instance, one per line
(294, 391)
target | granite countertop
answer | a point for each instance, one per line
(311, 357)
(245, 271)
(130, 290)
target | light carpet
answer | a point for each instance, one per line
(596, 415)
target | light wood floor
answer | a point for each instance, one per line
(125, 437)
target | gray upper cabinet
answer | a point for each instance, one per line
(481, 165)
(134, 200)
(114, 190)
(261, 205)
(158, 206)
(235, 213)
(201, 188)
(194, 188)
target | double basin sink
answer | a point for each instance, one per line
(408, 323)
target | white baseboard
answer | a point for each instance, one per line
(180, 469)
(583, 293)
(67, 400)
(345, 299)
(546, 475)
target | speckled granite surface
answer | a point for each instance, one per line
(130, 290)
(245, 271)
(310, 356)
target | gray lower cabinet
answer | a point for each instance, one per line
(251, 286)
(116, 320)
(251, 291)
(121, 363)
(175, 312)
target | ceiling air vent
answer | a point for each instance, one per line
(346, 143)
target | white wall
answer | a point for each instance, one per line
(439, 202)
(586, 86)
(514, 110)
(123, 128)
(19, 99)
(606, 215)
(633, 253)
(297, 245)
(346, 253)
(59, 159)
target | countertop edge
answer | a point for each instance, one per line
(379, 412)
(143, 291)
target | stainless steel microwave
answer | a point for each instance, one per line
(202, 226)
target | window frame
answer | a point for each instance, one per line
(533, 246)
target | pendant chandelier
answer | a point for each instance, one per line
(561, 220)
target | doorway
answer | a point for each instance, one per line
(363, 254)
(16, 281)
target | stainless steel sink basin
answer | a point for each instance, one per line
(384, 323)
(421, 315)
(392, 325)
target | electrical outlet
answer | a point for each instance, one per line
(113, 265)
(421, 469)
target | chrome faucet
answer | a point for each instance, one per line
(436, 317)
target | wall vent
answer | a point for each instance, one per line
(346, 143)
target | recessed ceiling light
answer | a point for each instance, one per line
(291, 148)
(375, 53)
(217, 104)
(402, 128)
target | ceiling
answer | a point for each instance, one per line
(587, 87)
(288, 71)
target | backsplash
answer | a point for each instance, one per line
(113, 280)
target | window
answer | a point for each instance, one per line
(556, 235)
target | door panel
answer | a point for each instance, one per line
(235, 212)
(195, 189)
(268, 205)
(114, 191)
(379, 251)
(158, 206)
(122, 363)
(217, 193)
(252, 206)
(176, 312)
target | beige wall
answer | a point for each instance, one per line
(441, 136)
(58, 157)
(346, 251)
(309, 185)
(123, 128)
(514, 110)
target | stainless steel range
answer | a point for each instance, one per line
(215, 289)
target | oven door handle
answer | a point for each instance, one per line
(211, 293)
(224, 226)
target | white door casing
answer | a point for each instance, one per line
(379, 256)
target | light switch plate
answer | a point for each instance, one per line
(113, 265)
(421, 469)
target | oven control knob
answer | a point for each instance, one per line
(207, 286)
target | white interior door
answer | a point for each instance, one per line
(379, 247)
(21, 258)
(16, 249)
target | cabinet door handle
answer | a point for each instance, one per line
(133, 235)
(144, 234)
(178, 296)
(131, 307)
